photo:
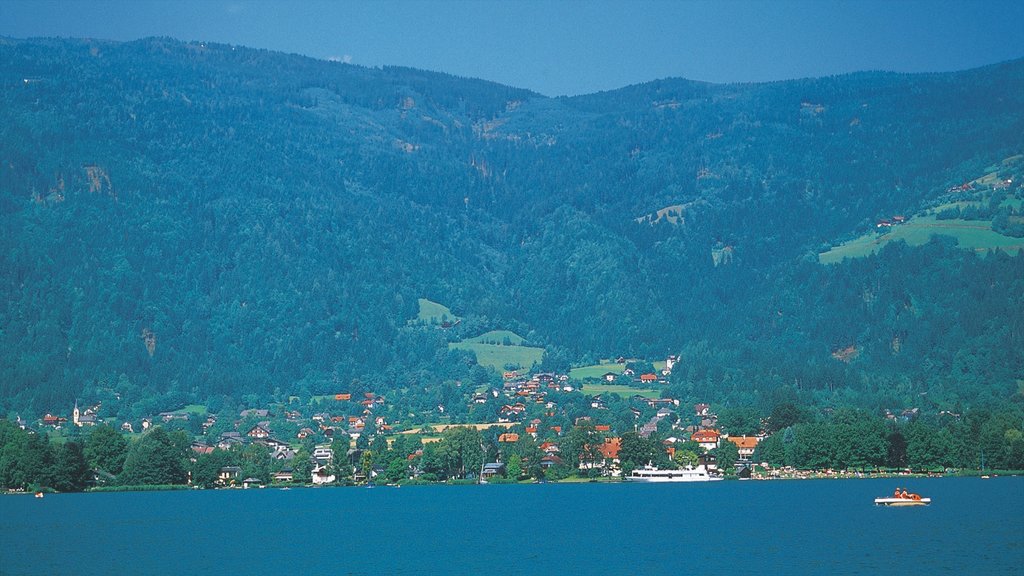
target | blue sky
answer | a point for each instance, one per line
(569, 47)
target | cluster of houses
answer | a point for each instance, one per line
(605, 456)
(911, 414)
(518, 398)
(522, 391)
(890, 222)
(324, 425)
(646, 378)
(79, 418)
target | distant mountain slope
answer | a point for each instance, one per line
(187, 220)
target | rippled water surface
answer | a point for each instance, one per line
(974, 526)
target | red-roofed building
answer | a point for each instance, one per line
(200, 448)
(708, 439)
(549, 461)
(648, 378)
(610, 448)
(602, 428)
(55, 421)
(509, 437)
(549, 448)
(606, 459)
(744, 444)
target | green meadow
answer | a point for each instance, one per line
(969, 234)
(596, 370)
(602, 368)
(499, 356)
(431, 312)
(624, 391)
(498, 337)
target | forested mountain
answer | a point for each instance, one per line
(186, 221)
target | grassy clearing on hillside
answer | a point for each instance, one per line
(498, 357)
(596, 370)
(599, 370)
(980, 202)
(192, 410)
(498, 337)
(624, 391)
(431, 312)
(969, 234)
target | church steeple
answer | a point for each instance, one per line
(75, 413)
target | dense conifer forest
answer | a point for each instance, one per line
(190, 223)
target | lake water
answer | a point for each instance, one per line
(974, 526)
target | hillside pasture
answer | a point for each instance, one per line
(498, 337)
(621, 390)
(596, 370)
(980, 202)
(970, 235)
(497, 356)
(192, 410)
(434, 313)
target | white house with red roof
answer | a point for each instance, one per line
(708, 439)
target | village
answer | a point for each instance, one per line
(524, 426)
(547, 422)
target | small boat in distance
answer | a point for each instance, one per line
(653, 474)
(899, 498)
(39, 494)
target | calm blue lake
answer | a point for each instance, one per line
(974, 526)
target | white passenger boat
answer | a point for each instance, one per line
(652, 474)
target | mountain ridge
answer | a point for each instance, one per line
(272, 220)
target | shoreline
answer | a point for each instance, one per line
(808, 475)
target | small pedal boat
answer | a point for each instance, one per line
(903, 500)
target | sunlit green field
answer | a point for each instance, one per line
(969, 234)
(599, 370)
(624, 391)
(433, 312)
(497, 337)
(498, 357)
(596, 370)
